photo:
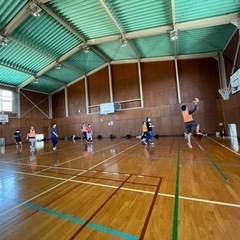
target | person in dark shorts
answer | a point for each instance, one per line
(189, 122)
(18, 139)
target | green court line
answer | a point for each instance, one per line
(213, 162)
(80, 221)
(176, 199)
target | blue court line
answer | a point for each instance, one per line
(80, 221)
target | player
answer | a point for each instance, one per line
(17, 136)
(189, 122)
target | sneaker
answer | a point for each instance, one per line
(54, 148)
(189, 145)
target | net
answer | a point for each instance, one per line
(225, 92)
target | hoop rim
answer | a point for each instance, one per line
(225, 92)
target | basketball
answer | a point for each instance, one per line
(196, 100)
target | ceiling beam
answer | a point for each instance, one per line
(53, 80)
(97, 51)
(16, 21)
(208, 22)
(31, 48)
(112, 17)
(63, 23)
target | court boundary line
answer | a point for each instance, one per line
(231, 150)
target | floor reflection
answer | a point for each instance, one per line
(33, 161)
(55, 159)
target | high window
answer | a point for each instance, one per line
(6, 101)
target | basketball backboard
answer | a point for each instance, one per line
(235, 82)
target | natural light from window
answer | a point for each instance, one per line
(6, 100)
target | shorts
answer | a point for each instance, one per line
(18, 139)
(32, 139)
(190, 125)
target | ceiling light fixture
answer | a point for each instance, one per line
(123, 42)
(35, 79)
(34, 9)
(174, 35)
(85, 49)
(58, 65)
(3, 41)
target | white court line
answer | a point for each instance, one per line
(225, 146)
(108, 186)
(50, 189)
(115, 187)
(65, 180)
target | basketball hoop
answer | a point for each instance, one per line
(225, 92)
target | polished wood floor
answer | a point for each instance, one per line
(120, 190)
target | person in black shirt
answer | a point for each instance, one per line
(149, 131)
(17, 136)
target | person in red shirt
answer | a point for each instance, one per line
(89, 133)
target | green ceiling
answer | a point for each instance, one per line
(64, 27)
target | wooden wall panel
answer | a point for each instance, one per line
(198, 78)
(34, 111)
(34, 105)
(125, 82)
(98, 87)
(230, 51)
(58, 104)
(76, 99)
(231, 107)
(159, 85)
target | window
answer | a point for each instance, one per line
(6, 101)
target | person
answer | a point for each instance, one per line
(189, 122)
(149, 137)
(84, 131)
(18, 139)
(89, 133)
(144, 131)
(54, 136)
(31, 137)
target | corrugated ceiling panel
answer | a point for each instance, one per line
(187, 10)
(115, 51)
(8, 9)
(154, 46)
(22, 58)
(85, 62)
(43, 85)
(138, 14)
(45, 34)
(211, 39)
(12, 77)
(64, 75)
(83, 14)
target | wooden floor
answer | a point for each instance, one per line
(120, 190)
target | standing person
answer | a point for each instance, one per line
(89, 133)
(189, 122)
(144, 131)
(84, 131)
(54, 136)
(149, 131)
(31, 137)
(18, 139)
